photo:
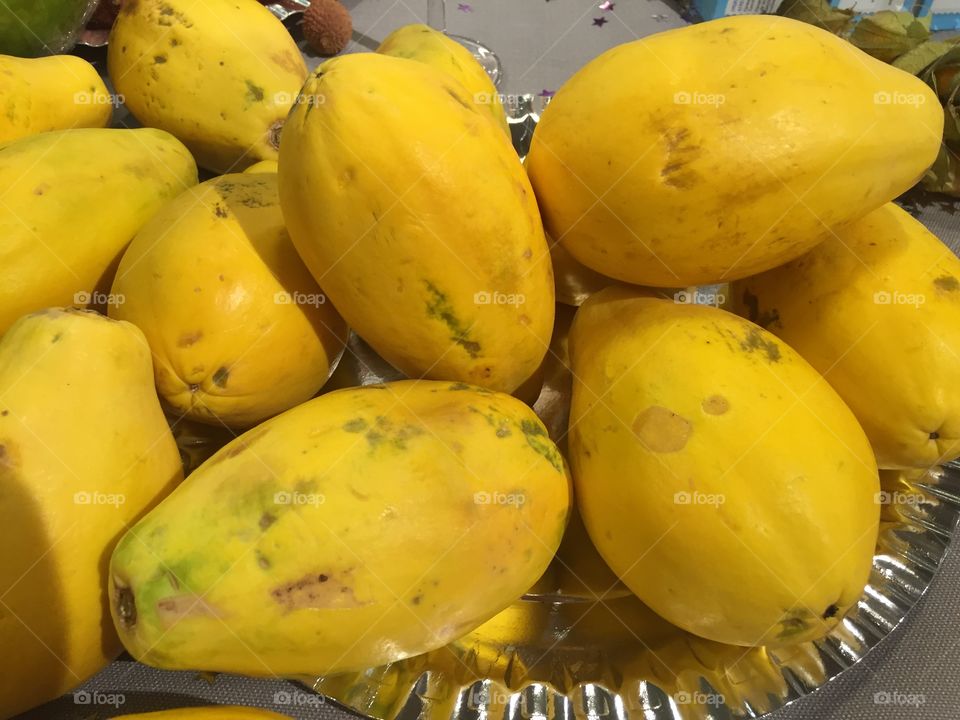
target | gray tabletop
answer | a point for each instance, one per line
(913, 674)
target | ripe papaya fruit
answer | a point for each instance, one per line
(359, 528)
(413, 212)
(221, 75)
(716, 472)
(50, 93)
(72, 201)
(84, 451)
(424, 44)
(715, 151)
(876, 309)
(220, 712)
(238, 327)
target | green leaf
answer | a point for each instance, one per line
(819, 13)
(922, 56)
(887, 35)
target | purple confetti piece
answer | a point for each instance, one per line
(464, 7)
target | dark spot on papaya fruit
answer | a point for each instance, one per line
(831, 611)
(274, 132)
(318, 590)
(459, 386)
(126, 607)
(40, 189)
(4, 413)
(661, 430)
(357, 425)
(188, 339)
(755, 341)
(456, 96)
(322, 578)
(159, 59)
(527, 254)
(417, 599)
(263, 561)
(220, 211)
(172, 579)
(947, 283)
(266, 520)
(254, 92)
(5, 457)
(934, 435)
(174, 42)
(56, 338)
(503, 432)
(220, 377)
(243, 442)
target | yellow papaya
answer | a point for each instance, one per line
(359, 528)
(220, 712)
(876, 309)
(84, 451)
(72, 201)
(424, 44)
(263, 167)
(716, 472)
(238, 328)
(414, 213)
(715, 151)
(221, 75)
(58, 92)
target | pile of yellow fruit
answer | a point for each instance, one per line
(724, 462)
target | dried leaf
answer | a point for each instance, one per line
(819, 13)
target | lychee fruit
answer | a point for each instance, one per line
(327, 26)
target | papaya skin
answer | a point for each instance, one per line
(876, 309)
(50, 93)
(84, 452)
(725, 169)
(424, 44)
(421, 231)
(238, 327)
(221, 712)
(706, 453)
(263, 167)
(73, 199)
(362, 527)
(190, 68)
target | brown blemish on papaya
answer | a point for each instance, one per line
(263, 561)
(220, 377)
(220, 211)
(831, 611)
(288, 61)
(174, 42)
(6, 457)
(242, 443)
(715, 405)
(188, 339)
(4, 413)
(527, 254)
(947, 283)
(56, 338)
(416, 599)
(41, 189)
(172, 610)
(662, 430)
(125, 604)
(266, 520)
(755, 341)
(456, 96)
(172, 579)
(934, 435)
(317, 591)
(159, 59)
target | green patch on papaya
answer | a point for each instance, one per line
(357, 425)
(494, 418)
(755, 341)
(439, 308)
(255, 93)
(947, 283)
(538, 439)
(220, 377)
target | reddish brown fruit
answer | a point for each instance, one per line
(327, 26)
